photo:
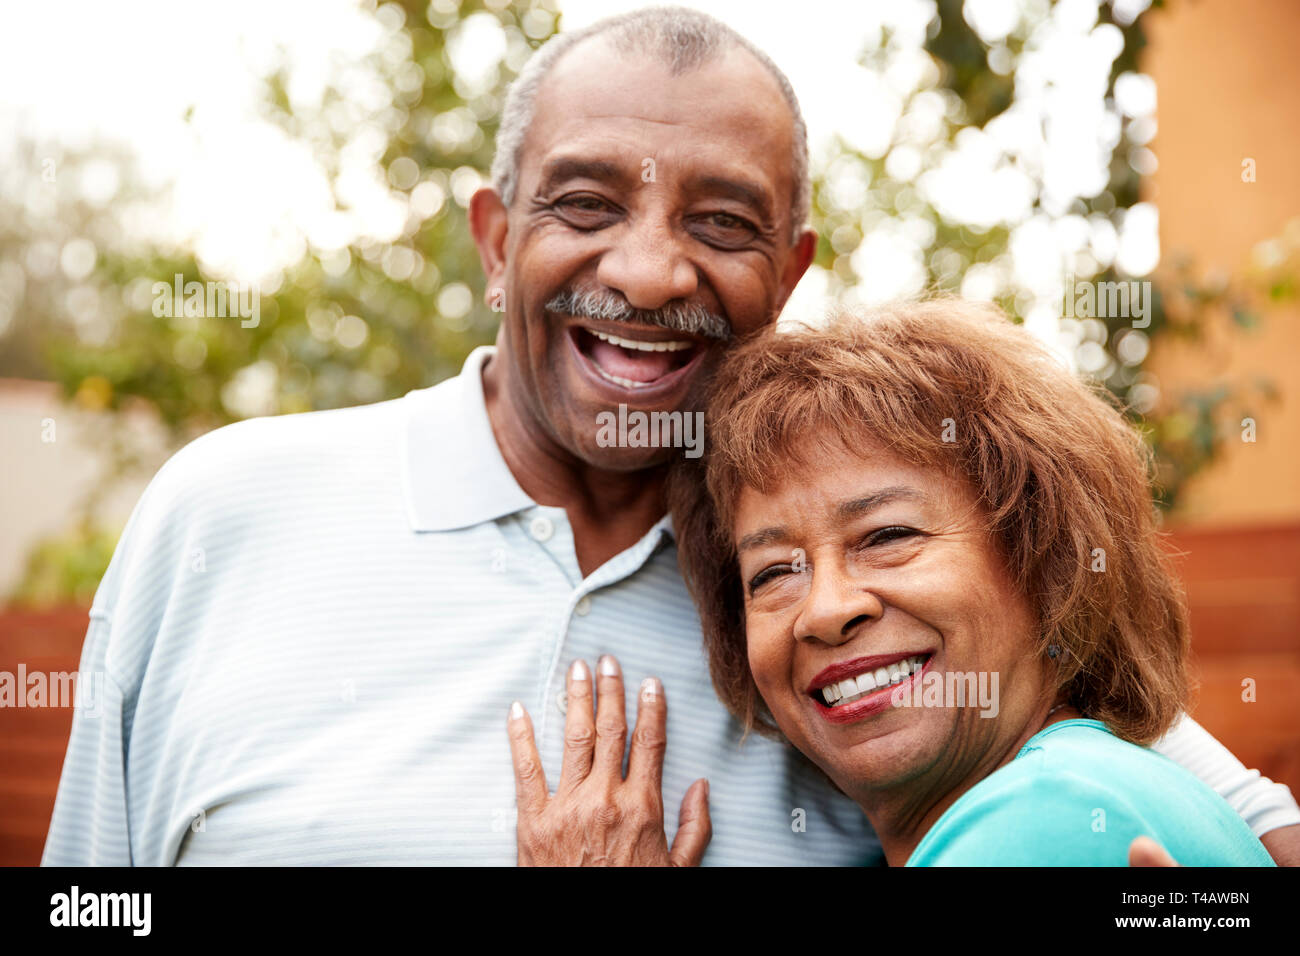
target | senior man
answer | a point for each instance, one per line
(314, 625)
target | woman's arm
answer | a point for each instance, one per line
(596, 817)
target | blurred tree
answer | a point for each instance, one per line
(365, 322)
(373, 319)
(344, 326)
(952, 96)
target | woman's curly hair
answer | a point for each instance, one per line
(1064, 480)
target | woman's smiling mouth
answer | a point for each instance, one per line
(864, 686)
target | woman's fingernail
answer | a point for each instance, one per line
(650, 689)
(516, 710)
(579, 670)
(609, 666)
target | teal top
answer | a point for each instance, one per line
(1077, 795)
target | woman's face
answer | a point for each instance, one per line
(900, 581)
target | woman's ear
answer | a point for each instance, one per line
(488, 220)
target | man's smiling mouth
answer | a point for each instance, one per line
(636, 357)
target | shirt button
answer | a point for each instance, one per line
(583, 607)
(541, 528)
(562, 702)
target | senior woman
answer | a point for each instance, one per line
(926, 554)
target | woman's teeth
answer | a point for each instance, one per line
(675, 346)
(847, 691)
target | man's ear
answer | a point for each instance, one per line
(801, 257)
(487, 224)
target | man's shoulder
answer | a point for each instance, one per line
(260, 452)
(345, 441)
(328, 433)
(244, 483)
(255, 471)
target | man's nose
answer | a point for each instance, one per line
(648, 264)
(836, 604)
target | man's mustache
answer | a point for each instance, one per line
(612, 307)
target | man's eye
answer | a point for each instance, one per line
(585, 211)
(726, 220)
(585, 202)
(724, 229)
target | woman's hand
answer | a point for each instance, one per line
(596, 817)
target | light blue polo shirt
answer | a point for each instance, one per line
(313, 628)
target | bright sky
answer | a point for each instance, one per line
(250, 199)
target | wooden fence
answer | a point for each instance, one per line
(1243, 588)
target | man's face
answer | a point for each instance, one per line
(654, 192)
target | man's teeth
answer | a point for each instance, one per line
(675, 346)
(847, 691)
(619, 379)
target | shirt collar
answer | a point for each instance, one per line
(453, 472)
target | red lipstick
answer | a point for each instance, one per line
(859, 665)
(875, 702)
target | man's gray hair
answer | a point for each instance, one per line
(682, 40)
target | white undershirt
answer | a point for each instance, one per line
(1263, 804)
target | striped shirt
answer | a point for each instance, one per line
(311, 633)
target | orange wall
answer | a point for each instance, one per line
(1228, 79)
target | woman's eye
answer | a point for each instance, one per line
(767, 574)
(893, 533)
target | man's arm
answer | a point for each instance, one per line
(89, 826)
(1268, 808)
(1283, 845)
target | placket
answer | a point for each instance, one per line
(581, 597)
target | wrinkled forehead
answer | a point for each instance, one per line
(728, 111)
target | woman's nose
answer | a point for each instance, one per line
(835, 605)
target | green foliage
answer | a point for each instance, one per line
(340, 327)
(377, 319)
(976, 84)
(337, 328)
(67, 569)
